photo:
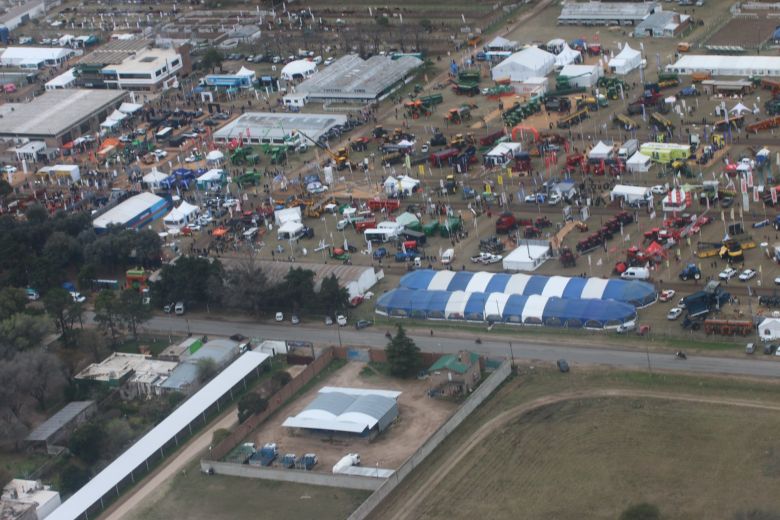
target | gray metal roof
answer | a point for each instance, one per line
(277, 125)
(115, 52)
(351, 77)
(354, 410)
(597, 11)
(56, 111)
(54, 423)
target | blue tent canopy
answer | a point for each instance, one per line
(459, 281)
(574, 287)
(497, 283)
(636, 293)
(475, 308)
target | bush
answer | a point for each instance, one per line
(72, 478)
(643, 511)
(87, 442)
(279, 379)
(249, 405)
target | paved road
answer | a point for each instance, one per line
(757, 366)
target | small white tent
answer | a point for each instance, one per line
(283, 216)
(639, 163)
(179, 217)
(600, 152)
(215, 158)
(739, 108)
(567, 56)
(154, 178)
(390, 185)
(408, 184)
(769, 329)
(627, 60)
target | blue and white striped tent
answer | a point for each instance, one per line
(636, 293)
(498, 307)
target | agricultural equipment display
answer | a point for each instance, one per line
(764, 124)
(729, 327)
(458, 115)
(567, 258)
(690, 271)
(519, 111)
(573, 119)
(416, 109)
(625, 122)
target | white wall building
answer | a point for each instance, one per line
(31, 492)
(65, 80)
(719, 65)
(151, 69)
(16, 15)
(528, 63)
(35, 58)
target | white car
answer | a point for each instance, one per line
(728, 273)
(659, 189)
(190, 158)
(488, 258)
(160, 154)
(554, 199)
(77, 297)
(341, 320)
(9, 169)
(329, 61)
(279, 316)
(747, 274)
(674, 313)
(229, 203)
(328, 320)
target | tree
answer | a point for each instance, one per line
(62, 249)
(297, 290)
(36, 214)
(22, 332)
(57, 304)
(187, 281)
(333, 298)
(87, 273)
(41, 375)
(72, 478)
(86, 442)
(107, 314)
(249, 405)
(279, 379)
(212, 59)
(5, 190)
(12, 301)
(92, 341)
(118, 434)
(403, 355)
(133, 311)
(427, 25)
(382, 20)
(218, 436)
(643, 511)
(207, 369)
(246, 288)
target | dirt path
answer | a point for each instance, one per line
(412, 502)
(157, 484)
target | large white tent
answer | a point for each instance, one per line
(582, 75)
(528, 63)
(154, 178)
(769, 329)
(298, 69)
(639, 163)
(600, 152)
(627, 60)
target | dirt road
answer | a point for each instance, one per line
(405, 508)
(157, 484)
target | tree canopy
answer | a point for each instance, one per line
(403, 355)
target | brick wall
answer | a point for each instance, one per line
(219, 451)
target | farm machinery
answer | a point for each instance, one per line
(606, 232)
(458, 115)
(567, 258)
(519, 111)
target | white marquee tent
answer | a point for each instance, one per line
(179, 217)
(600, 152)
(528, 63)
(627, 60)
(567, 56)
(298, 69)
(639, 163)
(154, 178)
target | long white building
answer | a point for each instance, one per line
(719, 65)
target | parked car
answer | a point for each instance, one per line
(728, 273)
(563, 366)
(674, 313)
(160, 154)
(747, 274)
(770, 349)
(32, 294)
(659, 189)
(179, 308)
(279, 316)
(666, 295)
(77, 297)
(750, 348)
(362, 324)
(380, 253)
(168, 307)
(328, 320)
(295, 319)
(341, 320)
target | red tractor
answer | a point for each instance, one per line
(567, 258)
(532, 232)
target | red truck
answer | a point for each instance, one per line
(388, 204)
(439, 159)
(490, 139)
(365, 224)
(506, 223)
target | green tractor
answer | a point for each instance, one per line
(250, 177)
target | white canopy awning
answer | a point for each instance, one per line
(129, 108)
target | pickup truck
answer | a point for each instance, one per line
(486, 258)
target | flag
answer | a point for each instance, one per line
(732, 212)
(755, 193)
(773, 191)
(500, 180)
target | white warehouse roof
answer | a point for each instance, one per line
(720, 65)
(351, 410)
(127, 210)
(149, 444)
(15, 56)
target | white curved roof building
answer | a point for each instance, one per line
(298, 69)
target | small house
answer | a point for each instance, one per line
(455, 374)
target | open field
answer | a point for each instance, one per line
(419, 416)
(197, 496)
(591, 443)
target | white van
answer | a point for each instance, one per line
(448, 256)
(636, 273)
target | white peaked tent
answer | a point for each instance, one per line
(499, 43)
(391, 185)
(567, 56)
(739, 108)
(627, 60)
(769, 329)
(600, 152)
(179, 217)
(154, 178)
(215, 158)
(639, 163)
(408, 184)
(245, 73)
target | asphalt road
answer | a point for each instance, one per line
(754, 366)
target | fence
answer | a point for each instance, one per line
(219, 451)
(291, 475)
(418, 457)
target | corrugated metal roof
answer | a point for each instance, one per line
(54, 423)
(353, 410)
(594, 11)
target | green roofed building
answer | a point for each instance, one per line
(455, 374)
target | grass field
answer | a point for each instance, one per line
(196, 496)
(593, 457)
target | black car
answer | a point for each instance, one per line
(770, 349)
(210, 122)
(563, 366)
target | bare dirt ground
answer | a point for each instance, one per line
(523, 458)
(419, 416)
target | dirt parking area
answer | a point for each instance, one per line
(419, 416)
